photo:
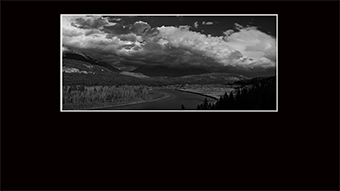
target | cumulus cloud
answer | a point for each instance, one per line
(216, 48)
(92, 31)
(139, 27)
(228, 32)
(123, 45)
(71, 33)
(196, 24)
(115, 29)
(207, 23)
(141, 43)
(252, 42)
(115, 19)
(130, 37)
(184, 27)
(90, 22)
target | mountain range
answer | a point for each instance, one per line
(77, 55)
(160, 70)
(79, 67)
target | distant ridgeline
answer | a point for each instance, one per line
(158, 70)
(102, 76)
(254, 94)
(82, 69)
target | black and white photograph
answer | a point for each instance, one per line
(156, 62)
(170, 95)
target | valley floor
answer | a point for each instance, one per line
(91, 99)
(211, 90)
(94, 106)
(107, 97)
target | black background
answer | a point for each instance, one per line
(295, 148)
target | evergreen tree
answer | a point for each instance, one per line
(225, 96)
(231, 97)
(238, 93)
(258, 96)
(205, 104)
(213, 106)
(231, 101)
(218, 104)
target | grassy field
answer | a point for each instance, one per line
(87, 97)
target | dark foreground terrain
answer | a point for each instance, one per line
(174, 101)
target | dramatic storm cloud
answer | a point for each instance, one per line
(139, 42)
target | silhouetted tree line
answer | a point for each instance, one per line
(261, 96)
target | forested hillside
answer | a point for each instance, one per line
(260, 96)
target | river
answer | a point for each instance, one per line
(174, 101)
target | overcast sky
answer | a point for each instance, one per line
(204, 41)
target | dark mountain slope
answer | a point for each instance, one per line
(157, 70)
(76, 55)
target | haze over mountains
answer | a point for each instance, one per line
(80, 68)
(169, 71)
(144, 71)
